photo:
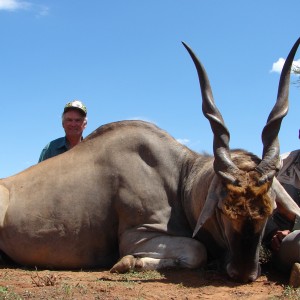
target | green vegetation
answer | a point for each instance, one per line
(5, 294)
(290, 293)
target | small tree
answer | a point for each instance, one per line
(296, 70)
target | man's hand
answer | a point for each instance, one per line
(277, 239)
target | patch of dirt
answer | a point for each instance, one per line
(16, 283)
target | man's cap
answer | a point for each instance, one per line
(76, 104)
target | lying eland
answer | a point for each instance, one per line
(138, 199)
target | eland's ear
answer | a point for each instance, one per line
(210, 205)
(283, 198)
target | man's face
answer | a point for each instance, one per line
(73, 123)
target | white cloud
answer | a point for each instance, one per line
(296, 64)
(43, 11)
(142, 119)
(183, 141)
(278, 65)
(13, 5)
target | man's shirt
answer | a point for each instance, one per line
(54, 148)
(289, 177)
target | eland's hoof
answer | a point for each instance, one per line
(124, 265)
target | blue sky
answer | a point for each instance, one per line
(124, 59)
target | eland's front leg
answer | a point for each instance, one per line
(161, 252)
